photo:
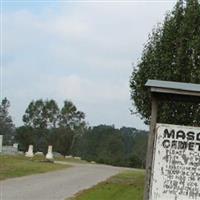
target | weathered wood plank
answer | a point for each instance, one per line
(149, 158)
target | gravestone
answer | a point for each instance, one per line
(1, 142)
(77, 158)
(69, 156)
(9, 150)
(15, 145)
(49, 155)
(29, 153)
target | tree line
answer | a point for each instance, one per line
(107, 144)
(65, 128)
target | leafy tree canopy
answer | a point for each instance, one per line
(70, 117)
(171, 53)
(46, 114)
(41, 114)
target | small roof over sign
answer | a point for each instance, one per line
(189, 89)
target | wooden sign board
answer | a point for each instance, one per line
(176, 163)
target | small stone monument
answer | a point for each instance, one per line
(29, 153)
(15, 145)
(1, 142)
(39, 153)
(49, 155)
(77, 158)
(68, 156)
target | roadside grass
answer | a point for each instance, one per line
(15, 166)
(124, 186)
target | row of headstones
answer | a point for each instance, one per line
(30, 153)
(8, 149)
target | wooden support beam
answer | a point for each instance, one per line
(149, 158)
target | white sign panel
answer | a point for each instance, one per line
(176, 163)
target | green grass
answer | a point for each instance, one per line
(15, 166)
(124, 186)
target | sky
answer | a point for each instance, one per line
(83, 51)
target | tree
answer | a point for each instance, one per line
(139, 149)
(70, 117)
(172, 53)
(46, 114)
(46, 124)
(25, 136)
(7, 128)
(61, 139)
(51, 112)
(103, 144)
(41, 114)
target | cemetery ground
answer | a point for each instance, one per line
(16, 166)
(65, 183)
(128, 185)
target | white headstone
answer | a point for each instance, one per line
(49, 155)
(68, 156)
(15, 145)
(77, 158)
(29, 153)
(1, 142)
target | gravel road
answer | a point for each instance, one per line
(57, 185)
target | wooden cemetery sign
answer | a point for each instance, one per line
(173, 158)
(176, 163)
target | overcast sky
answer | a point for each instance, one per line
(80, 51)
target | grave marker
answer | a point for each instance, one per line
(49, 155)
(29, 153)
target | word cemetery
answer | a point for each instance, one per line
(181, 140)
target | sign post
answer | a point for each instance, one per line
(173, 157)
(149, 158)
(1, 142)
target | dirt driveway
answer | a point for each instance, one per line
(56, 185)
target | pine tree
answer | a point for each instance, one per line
(172, 53)
(7, 128)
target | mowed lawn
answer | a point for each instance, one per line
(15, 166)
(128, 185)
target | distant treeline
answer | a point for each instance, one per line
(102, 144)
(45, 123)
(106, 144)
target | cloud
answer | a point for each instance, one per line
(88, 90)
(82, 52)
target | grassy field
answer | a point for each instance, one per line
(14, 166)
(124, 186)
